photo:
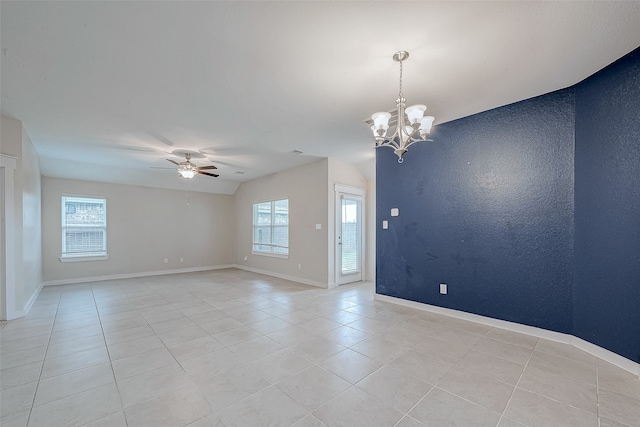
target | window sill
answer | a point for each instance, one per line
(84, 258)
(270, 254)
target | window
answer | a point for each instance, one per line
(271, 228)
(84, 228)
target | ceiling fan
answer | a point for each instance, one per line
(188, 170)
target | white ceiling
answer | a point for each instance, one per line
(106, 90)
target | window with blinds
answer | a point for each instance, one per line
(84, 227)
(271, 228)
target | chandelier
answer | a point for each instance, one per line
(416, 128)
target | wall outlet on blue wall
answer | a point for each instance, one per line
(443, 288)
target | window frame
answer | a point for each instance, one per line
(272, 226)
(82, 256)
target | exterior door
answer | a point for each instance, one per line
(349, 237)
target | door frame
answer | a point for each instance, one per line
(360, 193)
(8, 248)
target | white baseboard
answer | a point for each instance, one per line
(20, 313)
(606, 355)
(133, 275)
(602, 353)
(281, 276)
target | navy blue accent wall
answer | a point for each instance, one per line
(607, 212)
(488, 208)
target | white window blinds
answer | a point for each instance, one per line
(84, 227)
(271, 228)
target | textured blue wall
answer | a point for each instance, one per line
(488, 208)
(607, 211)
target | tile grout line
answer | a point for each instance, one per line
(516, 387)
(440, 380)
(44, 359)
(598, 393)
(84, 368)
(313, 363)
(109, 356)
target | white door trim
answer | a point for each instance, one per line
(8, 275)
(340, 190)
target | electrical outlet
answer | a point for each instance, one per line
(181, 259)
(443, 288)
(385, 225)
(299, 266)
(246, 258)
(166, 260)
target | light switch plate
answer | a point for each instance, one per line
(318, 226)
(385, 225)
(395, 211)
(443, 288)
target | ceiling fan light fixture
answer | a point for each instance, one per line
(188, 170)
(187, 173)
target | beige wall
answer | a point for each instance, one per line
(311, 192)
(306, 189)
(370, 251)
(31, 220)
(15, 142)
(144, 226)
(147, 225)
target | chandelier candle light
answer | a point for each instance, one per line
(415, 129)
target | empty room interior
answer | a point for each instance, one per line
(314, 214)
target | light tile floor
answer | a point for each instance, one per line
(233, 348)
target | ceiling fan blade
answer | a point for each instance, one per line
(161, 138)
(173, 161)
(207, 173)
(206, 167)
(231, 150)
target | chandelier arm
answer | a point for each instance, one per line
(389, 143)
(388, 146)
(412, 142)
(415, 136)
(393, 147)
